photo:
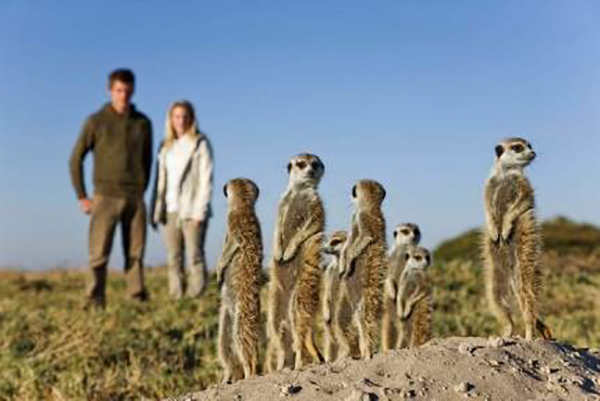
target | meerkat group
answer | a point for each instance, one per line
(366, 298)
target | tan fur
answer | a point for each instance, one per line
(363, 267)
(512, 242)
(238, 274)
(414, 301)
(405, 235)
(295, 272)
(330, 293)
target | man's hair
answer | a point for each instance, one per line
(123, 75)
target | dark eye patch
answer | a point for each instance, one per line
(428, 259)
(406, 256)
(315, 165)
(225, 190)
(419, 258)
(354, 191)
(405, 231)
(335, 242)
(518, 148)
(301, 165)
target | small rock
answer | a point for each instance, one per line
(494, 363)
(465, 348)
(290, 389)
(463, 387)
(497, 342)
(409, 394)
(547, 370)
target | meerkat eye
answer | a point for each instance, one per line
(417, 232)
(395, 233)
(529, 146)
(354, 191)
(405, 231)
(225, 190)
(406, 257)
(518, 148)
(428, 259)
(301, 165)
(315, 165)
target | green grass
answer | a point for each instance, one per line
(50, 348)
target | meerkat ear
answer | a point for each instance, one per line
(256, 191)
(225, 190)
(383, 193)
(499, 150)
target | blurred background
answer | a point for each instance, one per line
(413, 94)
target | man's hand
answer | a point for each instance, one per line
(85, 205)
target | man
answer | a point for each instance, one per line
(121, 139)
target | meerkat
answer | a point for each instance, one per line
(405, 235)
(414, 303)
(294, 271)
(363, 268)
(238, 276)
(331, 284)
(512, 241)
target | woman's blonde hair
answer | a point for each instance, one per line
(193, 130)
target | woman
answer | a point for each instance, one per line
(181, 198)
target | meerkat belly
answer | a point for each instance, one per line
(294, 219)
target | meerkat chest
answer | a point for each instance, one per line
(505, 192)
(296, 211)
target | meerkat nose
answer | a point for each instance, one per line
(533, 154)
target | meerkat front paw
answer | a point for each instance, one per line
(288, 254)
(493, 233)
(506, 232)
(277, 252)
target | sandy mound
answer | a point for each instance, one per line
(448, 369)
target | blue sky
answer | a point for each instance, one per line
(414, 94)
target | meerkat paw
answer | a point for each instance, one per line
(288, 254)
(506, 232)
(493, 233)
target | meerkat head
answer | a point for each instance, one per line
(305, 169)
(417, 257)
(407, 234)
(241, 192)
(334, 245)
(514, 153)
(367, 193)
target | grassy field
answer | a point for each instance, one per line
(50, 348)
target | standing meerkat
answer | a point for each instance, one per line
(414, 299)
(405, 235)
(512, 241)
(238, 275)
(331, 284)
(363, 267)
(295, 273)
